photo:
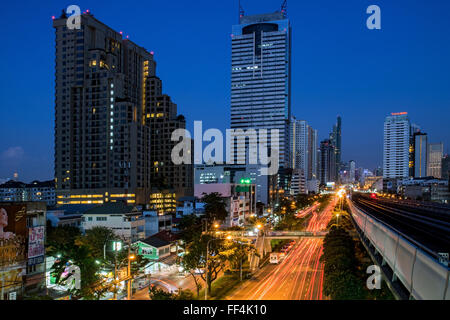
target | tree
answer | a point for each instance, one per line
(92, 286)
(87, 252)
(190, 227)
(259, 208)
(195, 258)
(160, 294)
(304, 200)
(215, 207)
(61, 239)
(96, 239)
(191, 262)
(239, 252)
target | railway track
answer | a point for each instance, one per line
(426, 226)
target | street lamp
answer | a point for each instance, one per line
(117, 246)
(130, 258)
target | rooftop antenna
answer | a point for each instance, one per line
(241, 12)
(284, 8)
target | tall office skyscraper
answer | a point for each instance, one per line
(327, 169)
(352, 169)
(336, 140)
(434, 163)
(420, 154)
(396, 146)
(298, 144)
(445, 167)
(261, 78)
(312, 154)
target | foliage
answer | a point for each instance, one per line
(61, 239)
(215, 206)
(87, 252)
(190, 227)
(221, 253)
(304, 200)
(160, 294)
(346, 262)
(96, 239)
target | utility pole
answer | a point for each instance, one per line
(115, 275)
(129, 275)
(206, 270)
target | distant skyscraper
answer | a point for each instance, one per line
(434, 165)
(445, 167)
(261, 78)
(312, 154)
(352, 169)
(396, 146)
(336, 140)
(420, 154)
(327, 171)
(299, 144)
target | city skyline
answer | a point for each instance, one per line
(320, 90)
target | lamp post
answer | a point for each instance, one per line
(206, 225)
(117, 246)
(131, 256)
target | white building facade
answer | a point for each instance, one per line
(396, 146)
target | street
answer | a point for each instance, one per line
(169, 282)
(299, 276)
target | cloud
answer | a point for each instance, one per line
(13, 153)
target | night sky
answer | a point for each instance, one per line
(339, 67)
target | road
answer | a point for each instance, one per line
(299, 276)
(168, 283)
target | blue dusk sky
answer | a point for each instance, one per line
(339, 67)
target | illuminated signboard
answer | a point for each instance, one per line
(245, 181)
(399, 113)
(36, 242)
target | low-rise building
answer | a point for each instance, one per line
(239, 198)
(22, 251)
(189, 205)
(163, 201)
(125, 220)
(159, 250)
(35, 191)
(155, 223)
(425, 189)
(68, 215)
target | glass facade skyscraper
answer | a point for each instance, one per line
(261, 78)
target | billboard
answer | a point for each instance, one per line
(36, 242)
(12, 279)
(13, 235)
